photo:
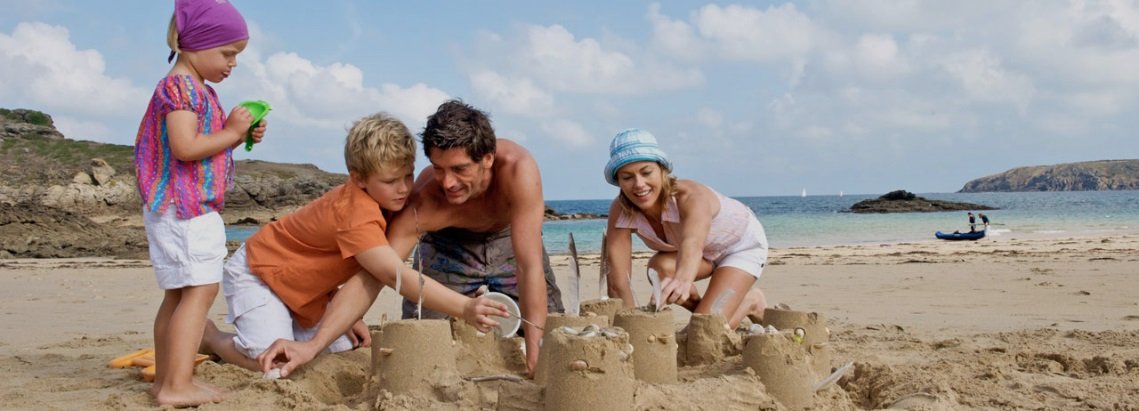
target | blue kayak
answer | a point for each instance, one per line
(960, 236)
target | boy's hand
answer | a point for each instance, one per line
(287, 356)
(360, 335)
(477, 312)
(239, 120)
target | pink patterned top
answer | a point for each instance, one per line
(193, 187)
(727, 229)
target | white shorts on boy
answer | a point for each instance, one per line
(258, 315)
(187, 252)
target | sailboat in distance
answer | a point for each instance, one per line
(804, 194)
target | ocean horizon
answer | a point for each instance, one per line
(825, 220)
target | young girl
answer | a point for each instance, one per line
(184, 162)
(696, 232)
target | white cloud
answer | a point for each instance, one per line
(333, 95)
(745, 33)
(984, 78)
(567, 131)
(41, 67)
(553, 56)
(514, 96)
(675, 38)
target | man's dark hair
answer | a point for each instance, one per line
(458, 125)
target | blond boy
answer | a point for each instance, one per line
(279, 284)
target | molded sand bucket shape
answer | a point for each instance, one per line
(558, 320)
(259, 109)
(782, 365)
(653, 336)
(415, 357)
(813, 324)
(590, 369)
(603, 306)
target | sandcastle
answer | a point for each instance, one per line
(558, 320)
(653, 337)
(415, 357)
(816, 336)
(708, 340)
(603, 306)
(782, 364)
(589, 369)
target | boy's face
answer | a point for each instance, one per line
(460, 177)
(390, 186)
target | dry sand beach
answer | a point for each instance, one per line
(1001, 323)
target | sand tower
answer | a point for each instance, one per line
(654, 342)
(603, 306)
(816, 337)
(708, 339)
(782, 365)
(589, 369)
(414, 357)
(558, 320)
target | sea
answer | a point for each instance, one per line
(824, 220)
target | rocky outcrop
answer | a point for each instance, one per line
(901, 201)
(30, 230)
(552, 214)
(1085, 176)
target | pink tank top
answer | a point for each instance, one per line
(727, 229)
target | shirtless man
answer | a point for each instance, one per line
(479, 207)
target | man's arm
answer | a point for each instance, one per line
(527, 211)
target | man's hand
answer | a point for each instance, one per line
(360, 335)
(287, 355)
(477, 312)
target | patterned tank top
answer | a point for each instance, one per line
(192, 187)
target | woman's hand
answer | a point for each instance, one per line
(675, 290)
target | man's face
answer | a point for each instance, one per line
(460, 176)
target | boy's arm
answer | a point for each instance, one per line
(527, 210)
(354, 298)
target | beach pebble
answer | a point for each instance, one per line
(578, 365)
(273, 374)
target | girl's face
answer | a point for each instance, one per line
(390, 186)
(217, 63)
(641, 182)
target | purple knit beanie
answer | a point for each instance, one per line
(205, 24)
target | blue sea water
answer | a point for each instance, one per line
(793, 221)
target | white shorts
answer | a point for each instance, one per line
(750, 253)
(258, 315)
(185, 253)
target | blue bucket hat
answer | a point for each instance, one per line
(630, 146)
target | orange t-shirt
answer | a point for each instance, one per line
(307, 255)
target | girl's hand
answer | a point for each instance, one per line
(360, 335)
(477, 312)
(259, 132)
(239, 120)
(675, 290)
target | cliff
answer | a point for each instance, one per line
(1085, 176)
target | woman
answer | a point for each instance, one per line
(696, 232)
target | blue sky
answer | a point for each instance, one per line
(751, 98)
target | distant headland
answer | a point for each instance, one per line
(1084, 176)
(902, 201)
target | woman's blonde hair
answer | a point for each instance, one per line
(378, 141)
(668, 186)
